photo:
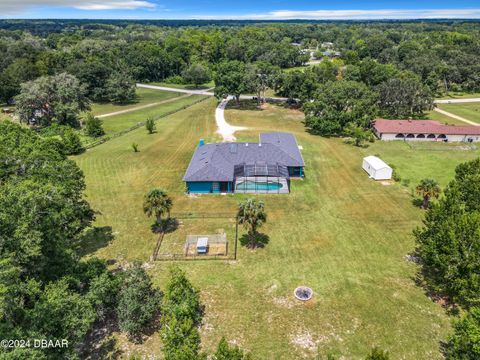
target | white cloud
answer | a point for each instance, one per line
(354, 14)
(18, 6)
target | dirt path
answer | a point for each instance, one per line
(142, 107)
(455, 117)
(226, 130)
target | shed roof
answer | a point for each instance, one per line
(376, 163)
(202, 242)
(216, 162)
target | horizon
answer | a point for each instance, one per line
(275, 10)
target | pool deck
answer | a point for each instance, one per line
(284, 189)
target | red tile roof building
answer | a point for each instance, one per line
(424, 130)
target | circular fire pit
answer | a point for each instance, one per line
(303, 293)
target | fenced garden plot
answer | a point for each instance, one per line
(216, 245)
(181, 244)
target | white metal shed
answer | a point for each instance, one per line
(376, 168)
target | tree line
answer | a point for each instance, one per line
(388, 69)
(48, 290)
(448, 248)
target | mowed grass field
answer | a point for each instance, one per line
(338, 232)
(144, 97)
(117, 123)
(444, 119)
(469, 111)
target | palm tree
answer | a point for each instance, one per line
(157, 203)
(427, 189)
(251, 213)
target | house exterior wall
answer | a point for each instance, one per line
(452, 138)
(208, 187)
(199, 187)
(296, 171)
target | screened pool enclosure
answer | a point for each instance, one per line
(261, 178)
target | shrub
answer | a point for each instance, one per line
(465, 342)
(72, 142)
(175, 79)
(93, 126)
(378, 354)
(150, 125)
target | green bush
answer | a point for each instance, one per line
(138, 302)
(93, 126)
(465, 342)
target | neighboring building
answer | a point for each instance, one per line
(331, 54)
(376, 168)
(424, 130)
(263, 167)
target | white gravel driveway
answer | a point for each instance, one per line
(226, 130)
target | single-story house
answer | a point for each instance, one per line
(376, 168)
(424, 130)
(263, 167)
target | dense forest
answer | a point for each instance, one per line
(389, 69)
(52, 71)
(444, 56)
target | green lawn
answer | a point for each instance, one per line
(469, 111)
(144, 97)
(444, 119)
(460, 95)
(338, 232)
(419, 160)
(113, 124)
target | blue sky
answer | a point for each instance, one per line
(239, 9)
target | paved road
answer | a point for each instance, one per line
(184, 91)
(454, 101)
(455, 116)
(206, 92)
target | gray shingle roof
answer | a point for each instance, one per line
(216, 162)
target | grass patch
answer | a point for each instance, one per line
(444, 119)
(469, 111)
(416, 161)
(113, 124)
(460, 95)
(144, 97)
(338, 232)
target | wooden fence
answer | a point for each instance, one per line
(139, 125)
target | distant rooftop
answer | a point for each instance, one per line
(216, 162)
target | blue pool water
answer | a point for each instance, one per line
(251, 185)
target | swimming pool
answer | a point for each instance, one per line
(264, 186)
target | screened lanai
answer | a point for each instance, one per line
(261, 178)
